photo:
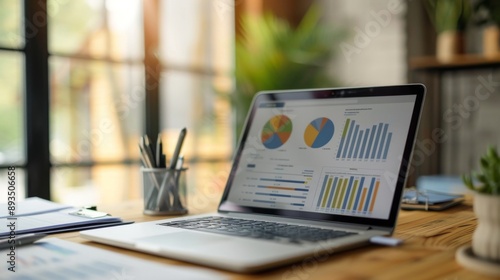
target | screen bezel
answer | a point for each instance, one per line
(418, 90)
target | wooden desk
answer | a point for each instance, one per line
(431, 239)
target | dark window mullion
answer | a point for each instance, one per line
(10, 49)
(152, 66)
(98, 59)
(37, 99)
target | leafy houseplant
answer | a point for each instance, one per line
(486, 238)
(272, 55)
(450, 18)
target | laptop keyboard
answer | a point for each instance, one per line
(258, 229)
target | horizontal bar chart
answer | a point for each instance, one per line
(278, 203)
(283, 188)
(283, 181)
(348, 193)
(364, 144)
(281, 195)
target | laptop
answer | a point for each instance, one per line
(317, 171)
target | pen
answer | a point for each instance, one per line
(148, 146)
(20, 240)
(159, 153)
(146, 160)
(163, 198)
(177, 151)
(145, 157)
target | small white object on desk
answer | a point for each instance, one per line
(386, 241)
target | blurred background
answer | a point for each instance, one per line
(82, 80)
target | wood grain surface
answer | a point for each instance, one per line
(428, 252)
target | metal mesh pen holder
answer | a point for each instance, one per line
(164, 191)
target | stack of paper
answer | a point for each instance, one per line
(36, 215)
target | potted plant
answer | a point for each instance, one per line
(486, 187)
(450, 18)
(271, 54)
(487, 13)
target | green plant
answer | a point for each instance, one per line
(272, 55)
(489, 177)
(487, 12)
(449, 15)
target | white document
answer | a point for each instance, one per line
(50, 221)
(31, 206)
(57, 259)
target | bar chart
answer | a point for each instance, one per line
(290, 191)
(348, 194)
(372, 143)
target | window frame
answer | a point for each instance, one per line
(37, 98)
(37, 162)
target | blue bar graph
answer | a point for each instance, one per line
(371, 143)
(357, 144)
(358, 195)
(322, 189)
(329, 204)
(346, 197)
(353, 142)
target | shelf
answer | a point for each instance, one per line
(457, 62)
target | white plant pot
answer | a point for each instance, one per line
(491, 41)
(486, 237)
(449, 44)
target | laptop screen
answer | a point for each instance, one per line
(337, 154)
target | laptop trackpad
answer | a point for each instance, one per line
(182, 239)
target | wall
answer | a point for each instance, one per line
(375, 53)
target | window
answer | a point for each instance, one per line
(101, 94)
(12, 134)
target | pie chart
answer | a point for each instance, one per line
(319, 132)
(276, 131)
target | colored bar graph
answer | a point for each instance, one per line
(370, 191)
(358, 144)
(344, 133)
(363, 196)
(371, 143)
(281, 195)
(372, 204)
(329, 185)
(322, 189)
(348, 190)
(377, 138)
(284, 181)
(351, 197)
(353, 141)
(337, 193)
(382, 142)
(334, 186)
(387, 143)
(364, 143)
(348, 141)
(348, 193)
(359, 193)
